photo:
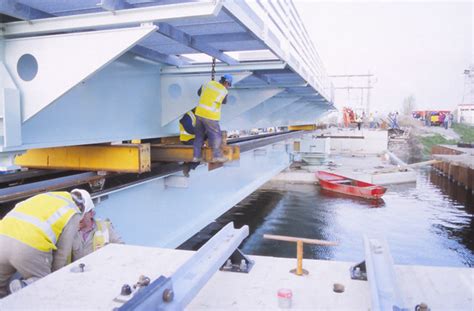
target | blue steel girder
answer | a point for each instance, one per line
(179, 95)
(247, 27)
(283, 115)
(124, 99)
(183, 38)
(199, 44)
(21, 11)
(114, 5)
(306, 114)
(263, 77)
(275, 104)
(69, 59)
(241, 100)
(223, 37)
(201, 30)
(258, 116)
(28, 13)
(159, 206)
(156, 56)
(10, 110)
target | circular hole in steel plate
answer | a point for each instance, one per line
(27, 67)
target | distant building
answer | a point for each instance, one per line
(466, 113)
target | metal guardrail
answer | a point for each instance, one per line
(384, 291)
(177, 291)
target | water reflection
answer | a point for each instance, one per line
(459, 194)
(430, 223)
(459, 223)
(361, 201)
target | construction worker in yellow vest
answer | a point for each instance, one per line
(36, 236)
(93, 234)
(213, 95)
(187, 124)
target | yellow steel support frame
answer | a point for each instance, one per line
(306, 127)
(183, 153)
(129, 158)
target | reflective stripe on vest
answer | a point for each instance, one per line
(101, 236)
(210, 102)
(40, 220)
(183, 135)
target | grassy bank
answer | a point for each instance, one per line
(465, 131)
(430, 141)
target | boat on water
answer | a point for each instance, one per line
(349, 186)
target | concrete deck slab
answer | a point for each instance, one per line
(114, 265)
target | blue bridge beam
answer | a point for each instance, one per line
(157, 56)
(25, 12)
(18, 10)
(188, 40)
(114, 5)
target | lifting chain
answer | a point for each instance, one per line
(213, 70)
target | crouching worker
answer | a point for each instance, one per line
(187, 124)
(92, 235)
(36, 236)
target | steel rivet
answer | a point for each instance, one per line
(168, 295)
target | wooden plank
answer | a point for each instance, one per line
(171, 140)
(295, 239)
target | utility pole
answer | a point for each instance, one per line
(368, 93)
(349, 87)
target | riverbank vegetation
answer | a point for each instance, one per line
(436, 139)
(465, 131)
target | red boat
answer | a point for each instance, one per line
(341, 184)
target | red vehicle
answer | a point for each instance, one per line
(349, 186)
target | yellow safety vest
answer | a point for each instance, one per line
(101, 235)
(212, 95)
(40, 220)
(183, 135)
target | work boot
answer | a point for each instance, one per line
(220, 159)
(16, 285)
(186, 169)
(196, 159)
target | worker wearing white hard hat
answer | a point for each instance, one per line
(93, 234)
(36, 236)
(82, 197)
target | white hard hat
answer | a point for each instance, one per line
(83, 197)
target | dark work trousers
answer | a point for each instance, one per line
(212, 130)
(191, 165)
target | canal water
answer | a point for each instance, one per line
(430, 223)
